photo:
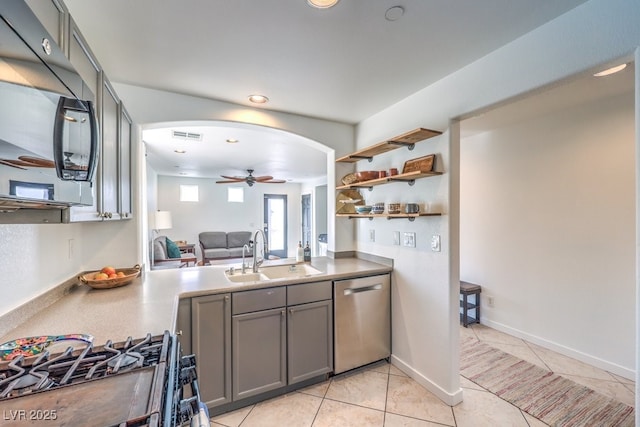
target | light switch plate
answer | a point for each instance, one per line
(435, 243)
(372, 235)
(409, 240)
(396, 238)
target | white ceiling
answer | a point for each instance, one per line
(344, 63)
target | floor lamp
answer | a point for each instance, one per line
(161, 221)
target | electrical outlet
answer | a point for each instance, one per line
(435, 243)
(409, 240)
(70, 248)
(490, 301)
(372, 235)
(396, 238)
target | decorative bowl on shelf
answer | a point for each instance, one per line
(378, 208)
(349, 179)
(363, 209)
(366, 175)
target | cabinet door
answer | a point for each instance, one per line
(88, 67)
(108, 166)
(259, 352)
(310, 340)
(124, 165)
(52, 14)
(211, 343)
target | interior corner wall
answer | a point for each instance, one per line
(547, 230)
(594, 33)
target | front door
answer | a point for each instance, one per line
(275, 224)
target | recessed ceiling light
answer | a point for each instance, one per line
(394, 13)
(258, 99)
(322, 4)
(232, 140)
(180, 151)
(611, 70)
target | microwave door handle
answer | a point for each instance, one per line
(65, 104)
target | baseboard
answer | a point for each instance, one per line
(566, 351)
(450, 399)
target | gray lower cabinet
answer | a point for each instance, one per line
(259, 342)
(211, 343)
(310, 340)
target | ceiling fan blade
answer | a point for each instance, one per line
(232, 181)
(235, 178)
(262, 178)
(274, 181)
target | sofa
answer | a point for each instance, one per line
(215, 245)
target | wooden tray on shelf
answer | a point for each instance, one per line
(420, 164)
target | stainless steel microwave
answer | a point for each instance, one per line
(49, 139)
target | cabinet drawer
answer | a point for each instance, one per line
(259, 299)
(309, 292)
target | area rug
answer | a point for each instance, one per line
(551, 398)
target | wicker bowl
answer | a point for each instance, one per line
(129, 275)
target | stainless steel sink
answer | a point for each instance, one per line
(289, 271)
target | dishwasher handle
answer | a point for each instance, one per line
(351, 291)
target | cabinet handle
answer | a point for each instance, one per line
(226, 297)
(179, 332)
(109, 214)
(291, 310)
(282, 313)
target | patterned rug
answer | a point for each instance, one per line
(549, 397)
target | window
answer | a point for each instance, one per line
(235, 194)
(188, 193)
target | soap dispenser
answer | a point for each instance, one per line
(299, 253)
(307, 253)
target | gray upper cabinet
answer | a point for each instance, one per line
(210, 341)
(124, 166)
(108, 165)
(53, 15)
(84, 61)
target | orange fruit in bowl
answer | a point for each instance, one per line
(108, 270)
(120, 274)
(101, 276)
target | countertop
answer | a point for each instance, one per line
(149, 304)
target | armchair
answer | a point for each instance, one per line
(161, 258)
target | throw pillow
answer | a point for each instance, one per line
(172, 249)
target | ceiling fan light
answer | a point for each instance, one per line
(322, 4)
(179, 151)
(232, 140)
(258, 99)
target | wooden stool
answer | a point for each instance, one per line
(467, 289)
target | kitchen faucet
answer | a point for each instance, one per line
(257, 263)
(245, 249)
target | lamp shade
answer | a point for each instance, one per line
(162, 220)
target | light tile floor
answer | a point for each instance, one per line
(382, 395)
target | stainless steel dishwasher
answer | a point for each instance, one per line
(362, 332)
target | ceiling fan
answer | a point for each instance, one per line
(250, 179)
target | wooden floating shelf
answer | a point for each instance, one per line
(410, 217)
(408, 140)
(404, 177)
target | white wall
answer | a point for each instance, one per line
(214, 213)
(547, 221)
(595, 33)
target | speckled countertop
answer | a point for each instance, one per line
(149, 304)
